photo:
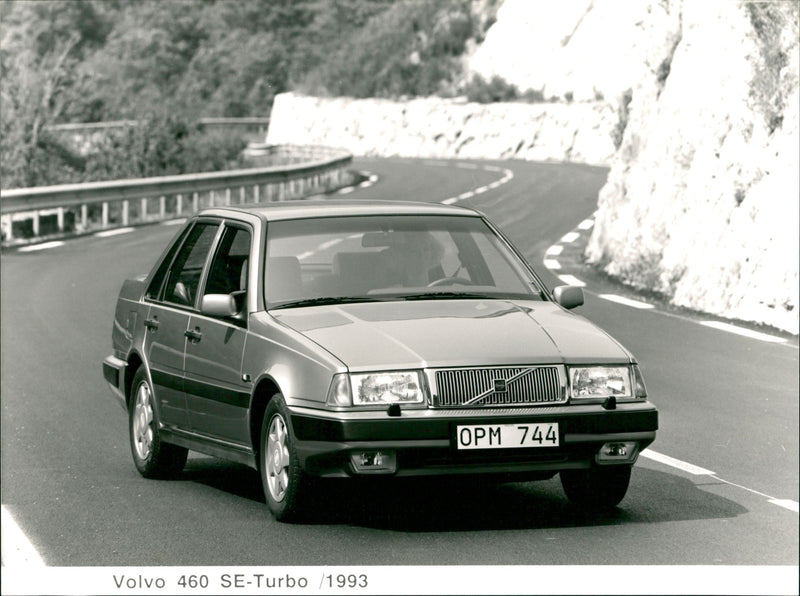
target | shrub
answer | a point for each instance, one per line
(410, 49)
(494, 90)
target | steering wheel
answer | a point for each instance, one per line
(449, 281)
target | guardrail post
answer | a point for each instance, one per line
(178, 204)
(227, 196)
(162, 207)
(242, 195)
(8, 226)
(84, 216)
(60, 219)
(255, 192)
(143, 210)
(104, 214)
(125, 213)
(195, 202)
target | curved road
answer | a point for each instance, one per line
(726, 492)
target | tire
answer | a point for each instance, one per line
(153, 457)
(285, 484)
(598, 487)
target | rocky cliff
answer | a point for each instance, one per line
(693, 104)
(701, 203)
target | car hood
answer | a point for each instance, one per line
(448, 333)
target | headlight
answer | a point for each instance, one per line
(590, 382)
(376, 389)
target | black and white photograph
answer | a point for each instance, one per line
(400, 296)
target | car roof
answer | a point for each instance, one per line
(300, 209)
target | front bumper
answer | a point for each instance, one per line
(114, 374)
(424, 440)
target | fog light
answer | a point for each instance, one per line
(374, 462)
(618, 452)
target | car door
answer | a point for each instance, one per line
(167, 321)
(217, 396)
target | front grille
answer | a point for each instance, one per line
(501, 386)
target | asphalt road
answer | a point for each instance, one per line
(728, 406)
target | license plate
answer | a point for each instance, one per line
(507, 436)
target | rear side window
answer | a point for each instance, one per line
(183, 278)
(154, 289)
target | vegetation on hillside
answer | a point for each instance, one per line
(167, 64)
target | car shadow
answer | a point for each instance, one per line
(236, 479)
(469, 504)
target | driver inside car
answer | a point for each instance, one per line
(414, 259)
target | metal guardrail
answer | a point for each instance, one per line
(259, 124)
(31, 214)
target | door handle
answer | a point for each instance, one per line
(151, 324)
(194, 336)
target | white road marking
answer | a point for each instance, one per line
(481, 190)
(698, 471)
(552, 264)
(466, 195)
(365, 184)
(329, 243)
(116, 232)
(571, 280)
(570, 237)
(555, 250)
(43, 246)
(586, 224)
(786, 504)
(742, 331)
(346, 190)
(626, 301)
(17, 550)
(174, 222)
(676, 463)
(450, 201)
(467, 166)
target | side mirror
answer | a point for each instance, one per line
(568, 296)
(218, 305)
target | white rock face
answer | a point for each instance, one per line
(434, 127)
(586, 48)
(702, 198)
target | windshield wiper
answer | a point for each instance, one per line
(323, 300)
(446, 296)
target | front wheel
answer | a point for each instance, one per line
(283, 481)
(152, 457)
(597, 488)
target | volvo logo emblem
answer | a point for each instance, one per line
(499, 385)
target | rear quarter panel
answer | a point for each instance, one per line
(129, 315)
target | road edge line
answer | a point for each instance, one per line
(17, 549)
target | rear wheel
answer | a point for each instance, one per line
(283, 481)
(599, 487)
(153, 457)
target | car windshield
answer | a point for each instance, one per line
(331, 260)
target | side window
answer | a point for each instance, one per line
(184, 276)
(228, 273)
(158, 279)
